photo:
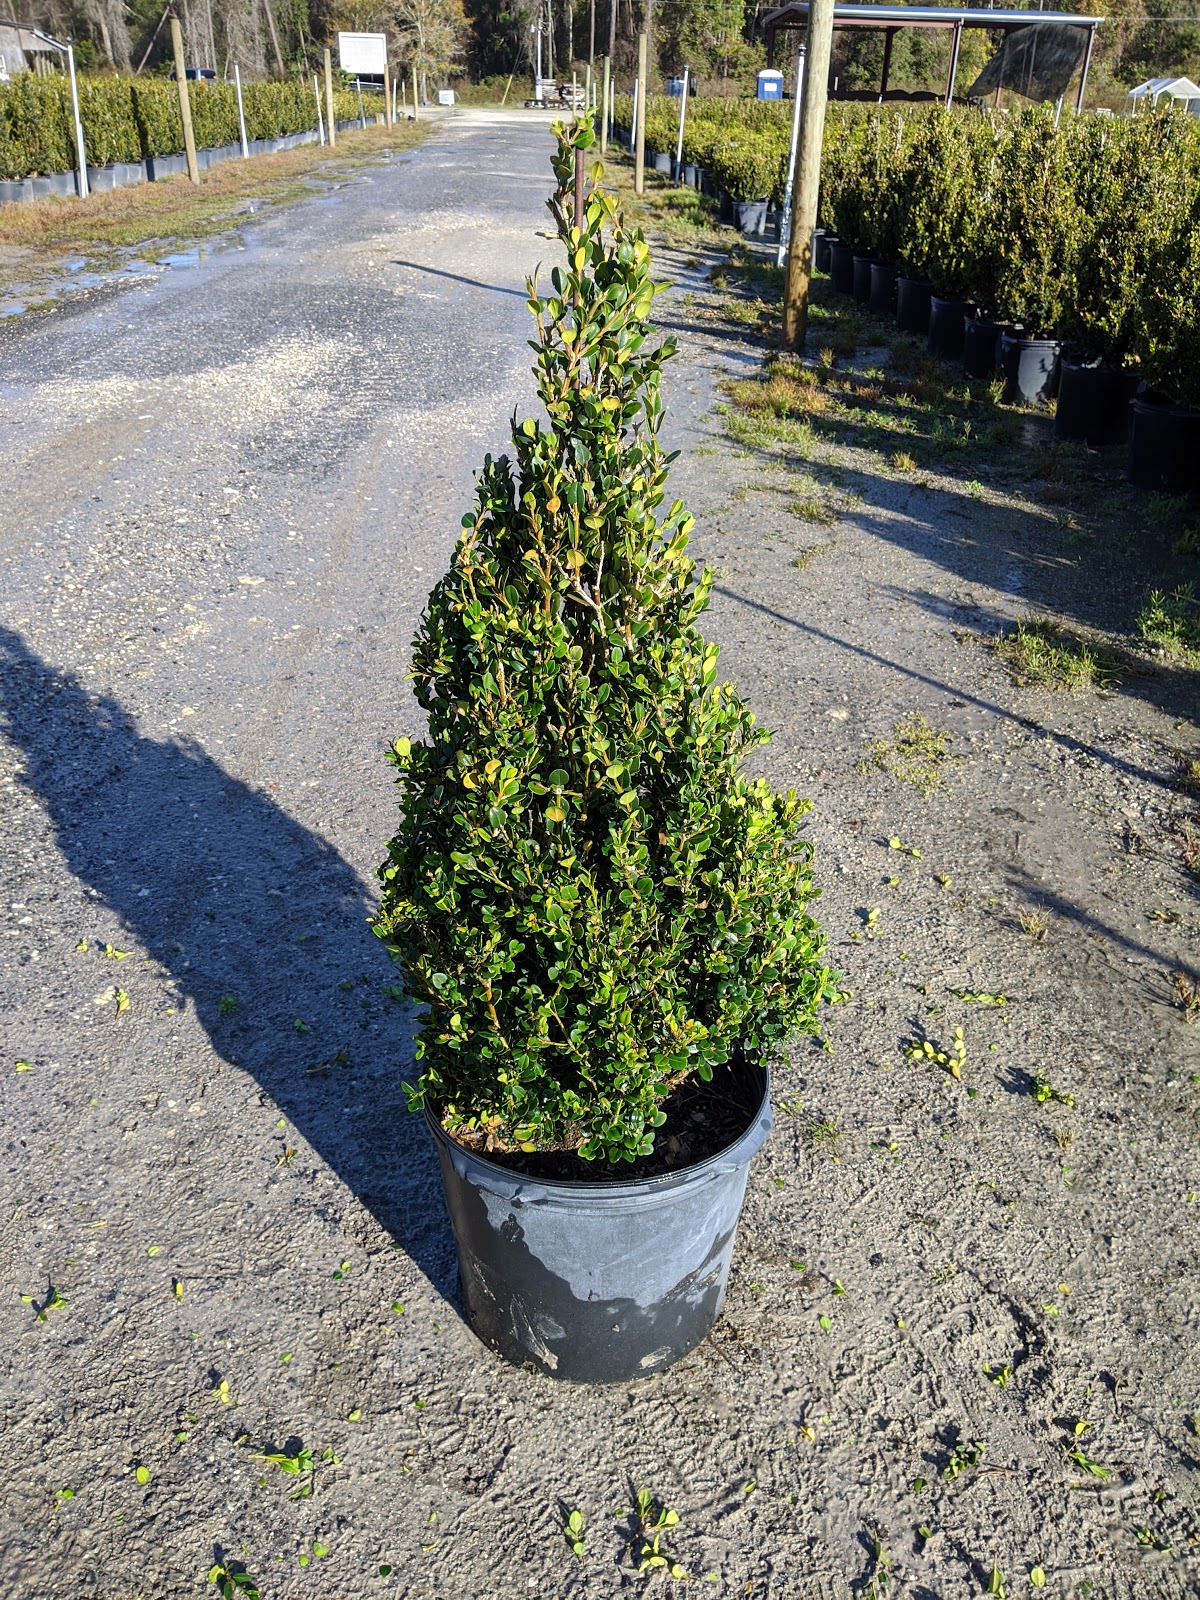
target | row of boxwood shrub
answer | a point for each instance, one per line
(1088, 232)
(129, 119)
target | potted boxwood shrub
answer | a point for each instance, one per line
(604, 919)
(745, 169)
(1133, 180)
(1164, 446)
(1035, 235)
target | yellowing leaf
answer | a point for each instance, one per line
(553, 504)
(143, 1476)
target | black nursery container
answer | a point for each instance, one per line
(946, 322)
(841, 266)
(598, 1282)
(862, 279)
(883, 289)
(822, 244)
(1093, 403)
(1029, 368)
(1164, 446)
(912, 305)
(979, 347)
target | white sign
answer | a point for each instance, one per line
(361, 53)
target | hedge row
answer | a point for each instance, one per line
(128, 119)
(1088, 232)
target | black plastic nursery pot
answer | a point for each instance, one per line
(823, 243)
(947, 320)
(1010, 330)
(751, 217)
(912, 305)
(862, 280)
(883, 289)
(724, 207)
(597, 1282)
(841, 267)
(1093, 403)
(1029, 368)
(980, 339)
(1164, 446)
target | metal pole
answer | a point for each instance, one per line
(387, 93)
(808, 173)
(633, 118)
(953, 73)
(639, 147)
(320, 118)
(605, 106)
(785, 222)
(537, 86)
(330, 119)
(237, 84)
(591, 33)
(682, 115)
(416, 96)
(362, 115)
(1087, 61)
(185, 105)
(80, 151)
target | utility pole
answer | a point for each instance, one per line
(329, 117)
(185, 105)
(639, 134)
(808, 173)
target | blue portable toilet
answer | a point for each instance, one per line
(770, 84)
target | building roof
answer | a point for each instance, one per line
(1177, 88)
(873, 16)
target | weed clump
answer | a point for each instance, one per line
(1040, 654)
(1171, 624)
(915, 753)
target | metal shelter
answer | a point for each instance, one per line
(890, 19)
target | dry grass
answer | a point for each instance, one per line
(793, 392)
(179, 209)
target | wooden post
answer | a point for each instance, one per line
(639, 135)
(605, 107)
(185, 105)
(808, 173)
(329, 117)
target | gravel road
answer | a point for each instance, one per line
(228, 489)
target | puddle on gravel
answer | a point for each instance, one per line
(78, 273)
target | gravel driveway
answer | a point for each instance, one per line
(228, 489)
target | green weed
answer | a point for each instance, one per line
(1043, 655)
(808, 555)
(916, 753)
(1171, 624)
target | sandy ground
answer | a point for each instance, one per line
(228, 489)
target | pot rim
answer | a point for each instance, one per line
(1142, 402)
(505, 1181)
(1042, 344)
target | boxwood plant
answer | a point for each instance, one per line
(588, 896)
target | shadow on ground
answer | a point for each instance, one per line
(236, 899)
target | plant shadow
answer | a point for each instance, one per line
(258, 921)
